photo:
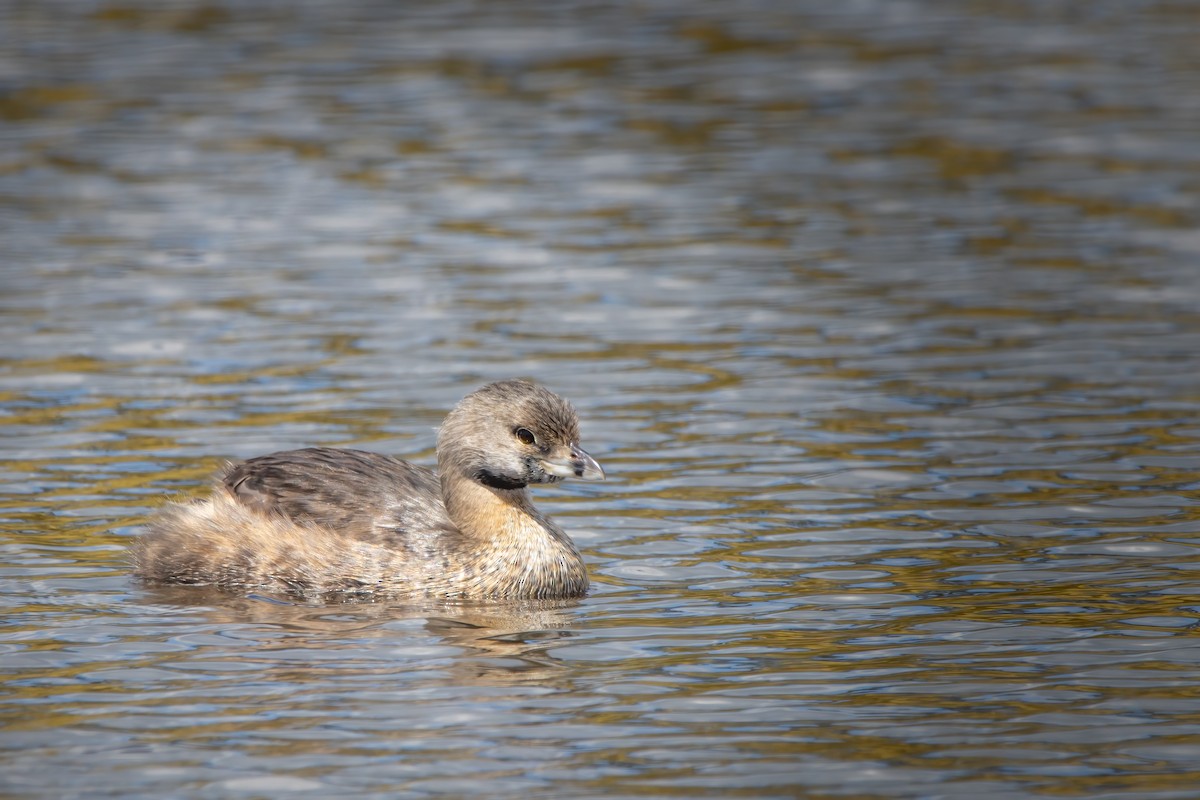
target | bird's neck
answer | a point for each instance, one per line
(485, 514)
(505, 524)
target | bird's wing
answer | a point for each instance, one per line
(353, 492)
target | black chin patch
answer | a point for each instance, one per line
(494, 481)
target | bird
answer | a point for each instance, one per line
(331, 523)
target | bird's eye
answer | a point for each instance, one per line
(525, 435)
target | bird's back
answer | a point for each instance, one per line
(306, 522)
(366, 496)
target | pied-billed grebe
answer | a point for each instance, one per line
(328, 522)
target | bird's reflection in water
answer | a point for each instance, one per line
(487, 643)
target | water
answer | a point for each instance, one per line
(882, 318)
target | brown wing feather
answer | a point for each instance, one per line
(364, 495)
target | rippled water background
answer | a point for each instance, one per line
(882, 316)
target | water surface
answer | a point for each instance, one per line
(882, 319)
